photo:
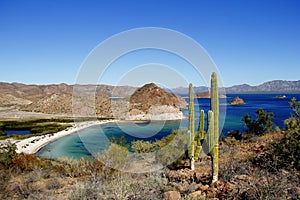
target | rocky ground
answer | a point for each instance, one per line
(247, 171)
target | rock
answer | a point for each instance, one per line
(196, 195)
(172, 195)
(237, 101)
(204, 187)
(207, 95)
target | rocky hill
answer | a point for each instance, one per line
(35, 92)
(63, 104)
(150, 100)
(276, 86)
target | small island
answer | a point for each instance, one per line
(237, 101)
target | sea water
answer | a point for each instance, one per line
(96, 138)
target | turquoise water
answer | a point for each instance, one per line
(95, 139)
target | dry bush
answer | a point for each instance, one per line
(120, 185)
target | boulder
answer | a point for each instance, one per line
(172, 195)
(197, 195)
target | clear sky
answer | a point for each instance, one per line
(251, 41)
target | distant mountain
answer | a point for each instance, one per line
(276, 86)
(22, 94)
(57, 98)
(183, 91)
(36, 92)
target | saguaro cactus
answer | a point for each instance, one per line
(215, 109)
(200, 135)
(191, 127)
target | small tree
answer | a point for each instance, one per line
(260, 125)
(7, 154)
(288, 150)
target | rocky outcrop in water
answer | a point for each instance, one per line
(237, 101)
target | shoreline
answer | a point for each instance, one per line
(33, 144)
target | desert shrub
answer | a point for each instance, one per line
(76, 168)
(288, 150)
(25, 162)
(53, 184)
(120, 185)
(141, 146)
(121, 141)
(7, 154)
(175, 150)
(114, 157)
(262, 124)
(169, 150)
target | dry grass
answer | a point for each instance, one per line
(248, 170)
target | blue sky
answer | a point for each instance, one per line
(251, 42)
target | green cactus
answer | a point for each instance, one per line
(191, 126)
(215, 109)
(210, 131)
(200, 135)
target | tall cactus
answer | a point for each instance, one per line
(200, 135)
(215, 109)
(191, 127)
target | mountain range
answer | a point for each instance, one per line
(275, 87)
(101, 99)
(18, 93)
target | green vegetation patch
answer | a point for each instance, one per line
(35, 126)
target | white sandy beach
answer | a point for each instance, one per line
(33, 144)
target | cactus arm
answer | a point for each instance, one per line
(200, 135)
(210, 131)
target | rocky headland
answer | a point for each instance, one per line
(150, 102)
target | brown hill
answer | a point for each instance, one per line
(150, 94)
(63, 104)
(10, 100)
(35, 92)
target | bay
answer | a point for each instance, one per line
(96, 139)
